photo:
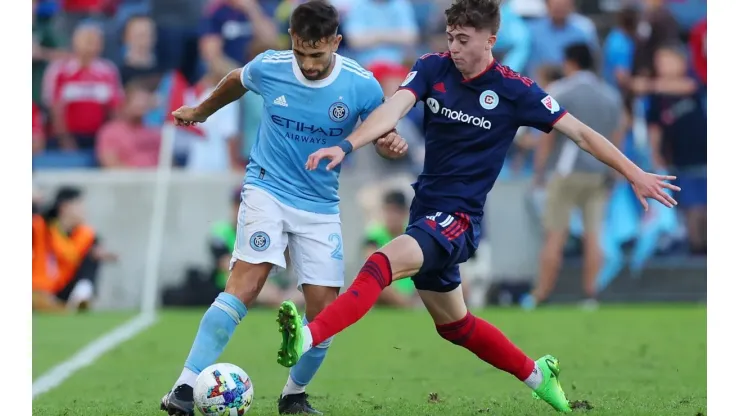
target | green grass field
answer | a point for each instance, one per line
(626, 360)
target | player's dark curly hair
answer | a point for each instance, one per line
(314, 21)
(479, 14)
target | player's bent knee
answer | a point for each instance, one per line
(457, 332)
(246, 280)
(445, 308)
(318, 298)
(405, 256)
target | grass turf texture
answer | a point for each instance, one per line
(56, 338)
(619, 360)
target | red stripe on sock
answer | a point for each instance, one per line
(489, 344)
(353, 304)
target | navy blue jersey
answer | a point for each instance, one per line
(468, 128)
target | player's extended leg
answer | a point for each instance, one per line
(215, 330)
(401, 257)
(260, 245)
(293, 399)
(456, 324)
(315, 243)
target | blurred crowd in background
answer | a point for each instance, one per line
(107, 73)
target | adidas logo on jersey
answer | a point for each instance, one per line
(281, 101)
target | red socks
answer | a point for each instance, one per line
(473, 333)
(489, 344)
(353, 304)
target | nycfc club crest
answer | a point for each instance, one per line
(338, 112)
(259, 241)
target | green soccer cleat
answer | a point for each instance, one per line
(290, 325)
(550, 389)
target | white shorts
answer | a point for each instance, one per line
(265, 227)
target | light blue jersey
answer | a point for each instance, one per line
(299, 117)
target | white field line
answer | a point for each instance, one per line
(90, 353)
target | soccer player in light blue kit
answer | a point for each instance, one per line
(313, 98)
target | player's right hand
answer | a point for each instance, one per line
(335, 154)
(187, 116)
(649, 185)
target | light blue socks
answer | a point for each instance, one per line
(214, 333)
(306, 368)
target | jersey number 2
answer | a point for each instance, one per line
(337, 241)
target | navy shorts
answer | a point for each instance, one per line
(446, 241)
(693, 189)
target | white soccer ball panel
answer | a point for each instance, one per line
(223, 389)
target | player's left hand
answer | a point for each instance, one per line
(392, 146)
(649, 185)
(335, 154)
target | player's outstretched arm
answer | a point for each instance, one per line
(228, 90)
(379, 123)
(646, 185)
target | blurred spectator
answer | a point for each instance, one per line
(381, 31)
(658, 27)
(514, 42)
(435, 32)
(688, 13)
(216, 149)
(66, 256)
(520, 156)
(282, 22)
(698, 45)
(230, 28)
(75, 12)
(553, 33)
(139, 57)
(126, 142)
(529, 8)
(401, 293)
(678, 135)
(251, 113)
(578, 179)
(619, 49)
(46, 44)
(37, 131)
(37, 199)
(548, 74)
(221, 245)
(81, 91)
(177, 34)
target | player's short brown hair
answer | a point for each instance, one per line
(314, 21)
(478, 14)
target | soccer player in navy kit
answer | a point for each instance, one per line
(474, 106)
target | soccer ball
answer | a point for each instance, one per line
(223, 390)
